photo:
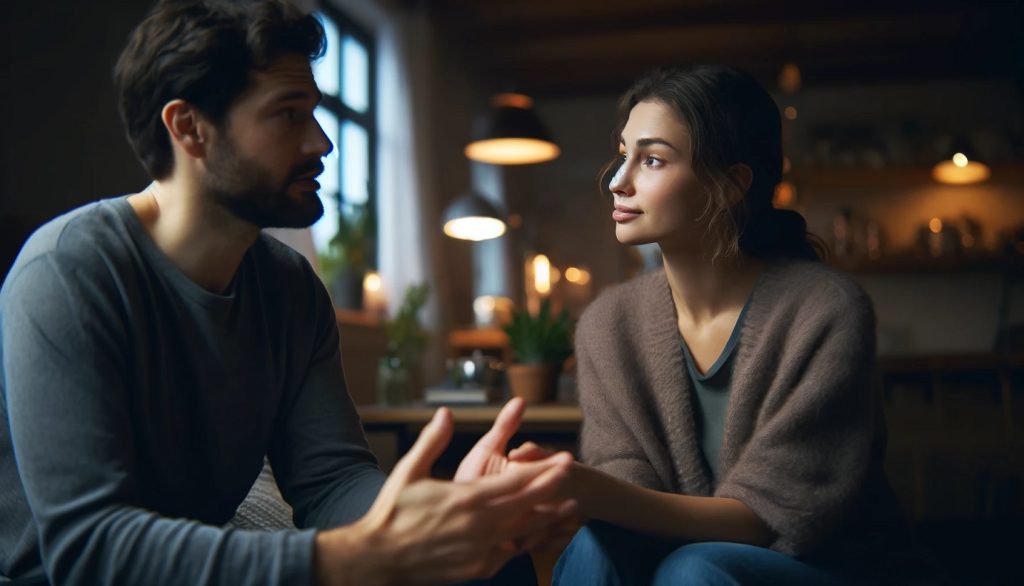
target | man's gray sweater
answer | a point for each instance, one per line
(137, 408)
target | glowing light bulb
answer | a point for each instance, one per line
(542, 274)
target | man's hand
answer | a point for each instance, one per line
(488, 457)
(424, 531)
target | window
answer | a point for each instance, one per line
(346, 77)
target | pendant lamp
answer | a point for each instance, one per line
(511, 134)
(960, 168)
(471, 217)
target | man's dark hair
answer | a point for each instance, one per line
(203, 52)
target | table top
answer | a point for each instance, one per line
(421, 414)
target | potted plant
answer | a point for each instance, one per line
(540, 344)
(406, 341)
(347, 258)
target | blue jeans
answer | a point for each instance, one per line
(604, 555)
(518, 571)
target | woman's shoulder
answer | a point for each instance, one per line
(623, 303)
(814, 286)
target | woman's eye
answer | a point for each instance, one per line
(652, 162)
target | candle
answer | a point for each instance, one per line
(374, 300)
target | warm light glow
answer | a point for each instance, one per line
(542, 274)
(483, 303)
(371, 282)
(787, 165)
(577, 276)
(790, 78)
(374, 299)
(512, 100)
(512, 151)
(475, 228)
(785, 195)
(790, 113)
(960, 171)
(935, 225)
(490, 310)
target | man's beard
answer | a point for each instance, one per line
(247, 190)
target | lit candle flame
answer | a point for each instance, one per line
(542, 274)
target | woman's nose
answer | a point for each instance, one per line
(620, 183)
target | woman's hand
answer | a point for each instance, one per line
(425, 531)
(488, 458)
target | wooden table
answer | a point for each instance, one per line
(392, 430)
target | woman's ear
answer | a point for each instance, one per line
(743, 175)
(185, 127)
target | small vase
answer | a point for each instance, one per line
(535, 383)
(393, 381)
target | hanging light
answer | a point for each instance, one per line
(471, 217)
(959, 168)
(511, 134)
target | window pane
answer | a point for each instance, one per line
(355, 163)
(327, 226)
(356, 69)
(327, 71)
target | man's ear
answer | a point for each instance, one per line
(186, 127)
(743, 175)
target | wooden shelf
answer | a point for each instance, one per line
(867, 178)
(352, 317)
(951, 364)
(909, 263)
(373, 415)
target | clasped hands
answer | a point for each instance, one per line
(426, 531)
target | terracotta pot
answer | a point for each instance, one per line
(535, 383)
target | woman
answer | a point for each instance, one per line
(732, 429)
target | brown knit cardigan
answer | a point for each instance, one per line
(803, 438)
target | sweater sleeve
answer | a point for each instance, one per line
(319, 453)
(607, 441)
(803, 469)
(64, 352)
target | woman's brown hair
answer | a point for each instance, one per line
(732, 120)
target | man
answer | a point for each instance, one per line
(156, 346)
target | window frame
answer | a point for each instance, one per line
(367, 120)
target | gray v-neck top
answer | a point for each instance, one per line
(711, 396)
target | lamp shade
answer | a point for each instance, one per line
(471, 217)
(960, 168)
(511, 134)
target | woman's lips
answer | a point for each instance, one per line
(622, 215)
